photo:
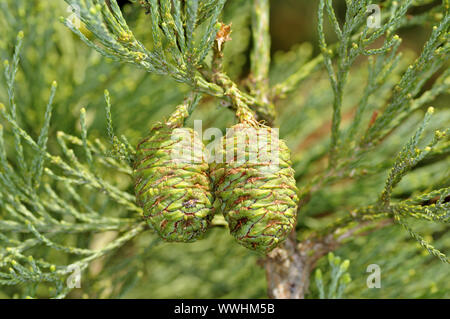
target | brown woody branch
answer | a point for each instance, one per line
(289, 267)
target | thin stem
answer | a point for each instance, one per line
(260, 61)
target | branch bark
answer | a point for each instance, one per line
(289, 267)
(287, 271)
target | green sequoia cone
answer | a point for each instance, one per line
(171, 181)
(258, 197)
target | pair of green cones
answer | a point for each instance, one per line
(180, 194)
